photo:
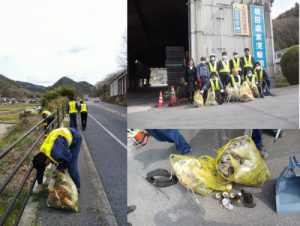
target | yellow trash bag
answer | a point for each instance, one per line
(246, 93)
(239, 161)
(233, 92)
(198, 99)
(211, 98)
(254, 89)
(62, 192)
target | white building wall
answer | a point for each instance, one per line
(208, 32)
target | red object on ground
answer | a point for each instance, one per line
(160, 101)
(173, 98)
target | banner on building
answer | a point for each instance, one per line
(258, 35)
(240, 16)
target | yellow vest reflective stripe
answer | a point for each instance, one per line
(213, 68)
(51, 138)
(213, 85)
(83, 107)
(225, 66)
(233, 81)
(46, 112)
(249, 62)
(72, 107)
(253, 78)
(236, 65)
(260, 77)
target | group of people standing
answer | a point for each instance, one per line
(217, 75)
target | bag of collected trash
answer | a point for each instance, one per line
(245, 93)
(211, 98)
(254, 89)
(239, 161)
(62, 192)
(198, 99)
(232, 92)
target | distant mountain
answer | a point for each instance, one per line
(32, 87)
(10, 88)
(82, 87)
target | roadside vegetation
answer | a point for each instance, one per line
(281, 81)
(114, 100)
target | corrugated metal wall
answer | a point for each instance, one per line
(208, 31)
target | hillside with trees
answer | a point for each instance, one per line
(32, 87)
(286, 29)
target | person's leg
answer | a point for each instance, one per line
(203, 81)
(268, 81)
(75, 120)
(84, 119)
(71, 121)
(49, 120)
(73, 165)
(257, 138)
(81, 119)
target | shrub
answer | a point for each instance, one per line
(290, 65)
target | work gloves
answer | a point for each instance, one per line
(222, 91)
(201, 92)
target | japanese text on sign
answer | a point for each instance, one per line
(258, 35)
(240, 16)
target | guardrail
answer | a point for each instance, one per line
(56, 122)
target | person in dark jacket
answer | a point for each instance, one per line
(72, 108)
(236, 63)
(83, 109)
(50, 116)
(223, 68)
(234, 78)
(215, 85)
(261, 74)
(203, 75)
(212, 64)
(63, 151)
(190, 80)
(252, 78)
(247, 61)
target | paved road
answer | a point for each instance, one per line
(107, 145)
(281, 111)
(153, 207)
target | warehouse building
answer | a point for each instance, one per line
(118, 86)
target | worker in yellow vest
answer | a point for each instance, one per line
(223, 68)
(72, 109)
(262, 74)
(50, 116)
(252, 78)
(83, 109)
(61, 147)
(215, 84)
(212, 63)
(247, 61)
(236, 63)
(234, 78)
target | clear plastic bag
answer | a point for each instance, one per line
(211, 98)
(246, 93)
(244, 163)
(233, 92)
(254, 89)
(62, 192)
(198, 99)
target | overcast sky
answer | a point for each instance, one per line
(280, 6)
(42, 41)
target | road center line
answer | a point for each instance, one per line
(125, 146)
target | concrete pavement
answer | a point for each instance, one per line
(281, 111)
(154, 207)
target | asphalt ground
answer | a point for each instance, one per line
(154, 207)
(281, 111)
(104, 142)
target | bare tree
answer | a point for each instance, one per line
(122, 57)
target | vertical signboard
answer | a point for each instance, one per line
(240, 18)
(258, 35)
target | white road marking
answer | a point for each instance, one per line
(120, 142)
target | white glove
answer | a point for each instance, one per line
(38, 190)
(222, 91)
(201, 92)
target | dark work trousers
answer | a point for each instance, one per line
(257, 137)
(203, 82)
(190, 96)
(83, 119)
(73, 120)
(224, 76)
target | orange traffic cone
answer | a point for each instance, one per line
(160, 101)
(173, 98)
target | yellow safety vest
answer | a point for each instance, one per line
(253, 78)
(249, 62)
(83, 107)
(233, 81)
(49, 142)
(213, 68)
(236, 65)
(72, 107)
(225, 66)
(213, 85)
(260, 77)
(46, 112)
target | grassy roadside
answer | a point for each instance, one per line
(10, 107)
(281, 81)
(12, 118)
(114, 100)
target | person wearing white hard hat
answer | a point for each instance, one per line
(236, 63)
(223, 68)
(212, 64)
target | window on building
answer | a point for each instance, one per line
(279, 55)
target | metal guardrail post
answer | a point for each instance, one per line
(58, 117)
